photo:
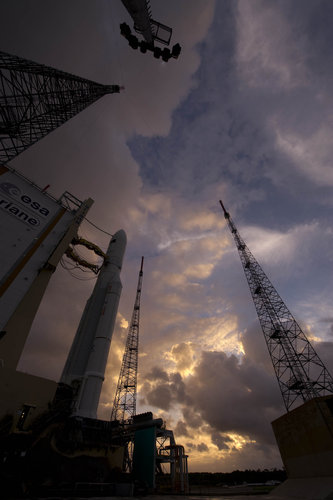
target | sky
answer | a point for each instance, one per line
(244, 115)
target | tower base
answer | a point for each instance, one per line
(311, 488)
(305, 440)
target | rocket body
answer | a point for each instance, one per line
(85, 366)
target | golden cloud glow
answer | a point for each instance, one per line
(123, 322)
(200, 448)
(203, 221)
(184, 356)
(157, 203)
(174, 279)
(136, 216)
(220, 334)
(240, 441)
(195, 256)
(199, 271)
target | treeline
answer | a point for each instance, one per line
(236, 477)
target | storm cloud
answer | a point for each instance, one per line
(244, 115)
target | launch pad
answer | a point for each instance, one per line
(60, 454)
(50, 437)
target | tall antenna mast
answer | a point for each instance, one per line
(300, 372)
(36, 99)
(124, 405)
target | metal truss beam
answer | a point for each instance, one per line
(36, 99)
(300, 372)
(124, 405)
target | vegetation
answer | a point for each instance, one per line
(236, 477)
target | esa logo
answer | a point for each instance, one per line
(10, 189)
(15, 192)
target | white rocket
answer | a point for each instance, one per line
(85, 366)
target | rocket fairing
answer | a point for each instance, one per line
(85, 366)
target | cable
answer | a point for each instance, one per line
(102, 230)
(69, 270)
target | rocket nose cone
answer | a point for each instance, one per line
(116, 249)
(121, 235)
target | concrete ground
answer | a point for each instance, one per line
(176, 497)
(292, 489)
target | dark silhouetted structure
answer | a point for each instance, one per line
(301, 374)
(124, 405)
(36, 99)
(151, 30)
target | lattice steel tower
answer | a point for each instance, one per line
(36, 99)
(124, 405)
(300, 372)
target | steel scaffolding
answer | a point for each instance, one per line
(36, 99)
(124, 405)
(300, 372)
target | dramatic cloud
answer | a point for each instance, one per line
(244, 115)
(268, 52)
(227, 402)
(235, 399)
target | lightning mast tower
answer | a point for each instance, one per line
(124, 405)
(36, 99)
(300, 372)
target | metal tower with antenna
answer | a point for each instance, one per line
(124, 405)
(36, 99)
(300, 372)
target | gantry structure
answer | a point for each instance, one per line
(151, 30)
(300, 372)
(124, 405)
(36, 99)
